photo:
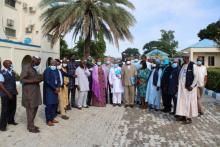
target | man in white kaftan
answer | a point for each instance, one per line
(82, 84)
(116, 84)
(187, 95)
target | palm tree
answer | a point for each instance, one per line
(86, 18)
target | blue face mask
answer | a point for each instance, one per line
(199, 62)
(53, 67)
(115, 65)
(174, 65)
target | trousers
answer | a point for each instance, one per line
(31, 114)
(8, 110)
(117, 98)
(129, 95)
(50, 111)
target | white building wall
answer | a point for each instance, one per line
(22, 19)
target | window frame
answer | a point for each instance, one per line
(10, 3)
(211, 60)
(11, 29)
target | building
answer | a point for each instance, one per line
(21, 33)
(208, 50)
(156, 53)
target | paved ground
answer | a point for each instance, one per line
(117, 127)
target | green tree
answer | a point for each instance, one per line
(132, 52)
(64, 51)
(86, 18)
(212, 31)
(166, 43)
(97, 47)
(152, 44)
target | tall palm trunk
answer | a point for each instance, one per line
(87, 46)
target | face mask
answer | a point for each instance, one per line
(53, 67)
(108, 62)
(174, 65)
(59, 67)
(36, 67)
(128, 62)
(11, 67)
(199, 62)
(99, 63)
(116, 65)
(64, 65)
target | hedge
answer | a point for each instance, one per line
(213, 79)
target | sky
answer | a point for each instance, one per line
(185, 17)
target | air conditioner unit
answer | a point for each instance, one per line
(32, 9)
(25, 6)
(29, 30)
(10, 23)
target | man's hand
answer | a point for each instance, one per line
(190, 88)
(57, 90)
(78, 88)
(9, 95)
(75, 76)
(111, 86)
(36, 81)
(158, 88)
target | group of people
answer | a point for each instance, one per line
(69, 84)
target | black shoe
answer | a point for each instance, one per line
(172, 113)
(179, 118)
(3, 129)
(201, 113)
(114, 105)
(187, 121)
(86, 107)
(64, 117)
(13, 123)
(119, 105)
(34, 130)
(126, 105)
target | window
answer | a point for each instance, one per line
(10, 32)
(211, 61)
(10, 3)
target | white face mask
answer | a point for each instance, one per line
(36, 68)
(59, 67)
(64, 65)
(53, 67)
(108, 62)
(128, 62)
(12, 67)
(99, 63)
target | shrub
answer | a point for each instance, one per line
(213, 79)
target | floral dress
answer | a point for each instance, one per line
(142, 80)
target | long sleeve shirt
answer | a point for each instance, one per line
(82, 78)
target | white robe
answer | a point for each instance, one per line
(115, 81)
(152, 95)
(187, 99)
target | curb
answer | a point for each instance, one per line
(212, 93)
